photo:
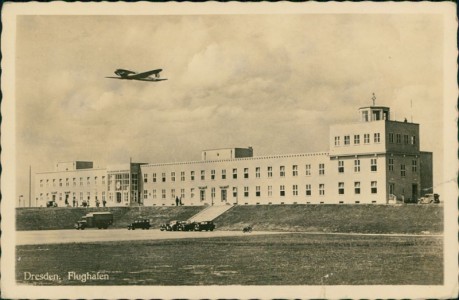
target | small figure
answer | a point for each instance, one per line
(177, 201)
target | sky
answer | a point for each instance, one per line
(273, 82)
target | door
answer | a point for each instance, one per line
(118, 197)
(223, 195)
(414, 193)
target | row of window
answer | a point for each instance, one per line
(392, 137)
(258, 193)
(366, 139)
(414, 167)
(234, 175)
(74, 196)
(60, 182)
(396, 138)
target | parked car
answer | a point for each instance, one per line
(204, 225)
(51, 204)
(170, 226)
(142, 224)
(185, 226)
(429, 198)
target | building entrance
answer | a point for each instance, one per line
(414, 193)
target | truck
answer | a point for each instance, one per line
(95, 219)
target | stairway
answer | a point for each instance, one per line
(210, 213)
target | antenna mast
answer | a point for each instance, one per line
(373, 98)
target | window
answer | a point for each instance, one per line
(413, 140)
(163, 177)
(235, 192)
(366, 138)
(87, 183)
(203, 174)
(246, 191)
(192, 193)
(182, 176)
(154, 194)
(391, 164)
(182, 193)
(391, 138)
(374, 166)
(402, 170)
(336, 140)
(308, 190)
(192, 175)
(145, 194)
(154, 177)
(347, 140)
(357, 165)
(295, 170)
(365, 116)
(103, 180)
(257, 191)
(282, 190)
(406, 139)
(282, 171)
(341, 188)
(321, 189)
(212, 193)
(270, 171)
(173, 194)
(356, 139)
(340, 166)
(257, 172)
(321, 169)
(81, 181)
(60, 181)
(163, 193)
(145, 178)
(172, 176)
(223, 174)
(399, 138)
(414, 166)
(67, 181)
(357, 187)
(377, 138)
(212, 174)
(374, 187)
(308, 170)
(41, 182)
(234, 173)
(270, 190)
(295, 190)
(246, 172)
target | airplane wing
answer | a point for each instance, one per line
(115, 77)
(145, 74)
(151, 79)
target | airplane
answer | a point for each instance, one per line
(144, 76)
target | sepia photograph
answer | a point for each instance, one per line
(229, 150)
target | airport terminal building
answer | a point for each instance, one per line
(375, 160)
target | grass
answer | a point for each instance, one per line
(300, 218)
(65, 218)
(287, 259)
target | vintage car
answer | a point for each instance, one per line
(170, 226)
(185, 226)
(139, 224)
(204, 225)
(429, 198)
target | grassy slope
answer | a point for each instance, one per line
(336, 218)
(64, 218)
(323, 218)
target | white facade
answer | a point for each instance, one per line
(374, 160)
